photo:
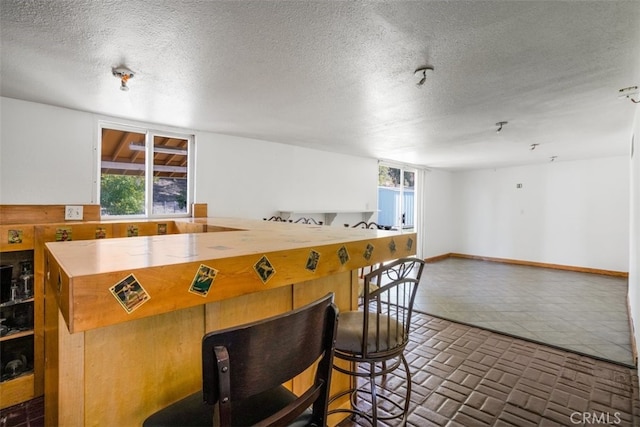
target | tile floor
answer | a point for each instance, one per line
(464, 376)
(582, 312)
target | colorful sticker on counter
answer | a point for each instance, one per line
(15, 236)
(101, 233)
(392, 246)
(368, 252)
(264, 269)
(130, 293)
(63, 234)
(132, 231)
(312, 261)
(203, 280)
(409, 244)
(343, 255)
(162, 228)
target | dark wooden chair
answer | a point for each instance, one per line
(375, 337)
(243, 369)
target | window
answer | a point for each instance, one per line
(396, 197)
(144, 172)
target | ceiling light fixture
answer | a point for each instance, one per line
(500, 125)
(629, 93)
(124, 74)
(423, 70)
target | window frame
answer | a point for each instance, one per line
(150, 133)
(398, 219)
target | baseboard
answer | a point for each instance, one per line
(531, 264)
(437, 258)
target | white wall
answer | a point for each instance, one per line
(46, 154)
(251, 178)
(634, 247)
(47, 157)
(438, 224)
(573, 213)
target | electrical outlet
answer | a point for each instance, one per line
(73, 213)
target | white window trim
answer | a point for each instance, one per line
(150, 131)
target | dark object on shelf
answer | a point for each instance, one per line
(276, 218)
(6, 274)
(308, 221)
(372, 225)
(26, 278)
(16, 366)
(16, 358)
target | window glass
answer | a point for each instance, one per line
(122, 173)
(169, 175)
(396, 197)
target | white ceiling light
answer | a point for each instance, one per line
(423, 71)
(124, 74)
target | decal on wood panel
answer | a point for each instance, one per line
(343, 255)
(368, 252)
(203, 280)
(130, 293)
(15, 236)
(264, 269)
(312, 261)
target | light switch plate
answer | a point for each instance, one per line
(72, 213)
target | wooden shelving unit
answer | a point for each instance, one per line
(18, 340)
(25, 229)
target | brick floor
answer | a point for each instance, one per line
(27, 414)
(467, 376)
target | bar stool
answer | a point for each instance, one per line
(374, 339)
(243, 369)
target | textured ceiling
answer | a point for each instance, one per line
(339, 75)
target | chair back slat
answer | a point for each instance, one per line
(262, 355)
(390, 305)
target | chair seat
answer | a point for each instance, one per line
(349, 337)
(192, 411)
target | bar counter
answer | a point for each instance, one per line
(124, 317)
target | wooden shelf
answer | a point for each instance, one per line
(17, 335)
(12, 303)
(17, 390)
